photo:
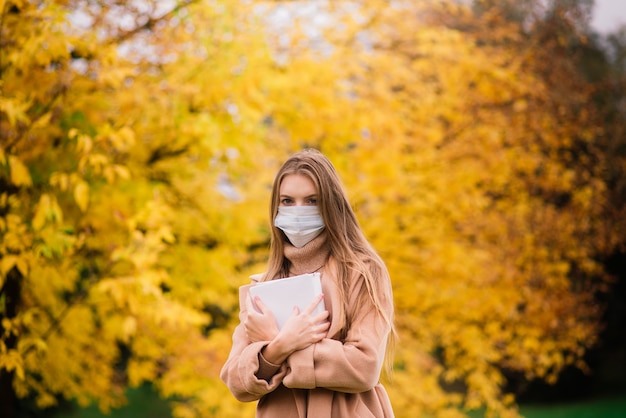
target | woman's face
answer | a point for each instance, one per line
(297, 190)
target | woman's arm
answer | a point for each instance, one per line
(246, 373)
(352, 365)
(300, 331)
(255, 364)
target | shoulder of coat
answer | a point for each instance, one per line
(256, 277)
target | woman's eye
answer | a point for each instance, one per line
(286, 201)
(312, 201)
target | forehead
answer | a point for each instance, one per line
(297, 185)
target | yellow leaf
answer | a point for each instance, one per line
(27, 343)
(43, 121)
(73, 133)
(13, 361)
(123, 139)
(40, 214)
(84, 144)
(7, 324)
(122, 171)
(22, 266)
(60, 180)
(48, 209)
(15, 110)
(81, 195)
(7, 263)
(109, 174)
(19, 173)
(129, 328)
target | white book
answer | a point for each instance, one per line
(281, 295)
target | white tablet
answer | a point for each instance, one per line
(281, 295)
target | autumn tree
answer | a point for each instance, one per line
(492, 212)
(134, 162)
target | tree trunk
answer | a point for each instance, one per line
(11, 293)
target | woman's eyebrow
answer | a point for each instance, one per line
(306, 197)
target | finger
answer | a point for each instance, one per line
(260, 305)
(314, 304)
(322, 316)
(321, 327)
(320, 336)
(250, 304)
(324, 325)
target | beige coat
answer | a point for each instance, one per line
(328, 379)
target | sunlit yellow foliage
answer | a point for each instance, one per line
(468, 186)
(139, 141)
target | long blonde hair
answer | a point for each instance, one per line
(348, 245)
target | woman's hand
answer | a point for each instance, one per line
(260, 326)
(300, 331)
(304, 329)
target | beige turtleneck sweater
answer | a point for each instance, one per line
(310, 258)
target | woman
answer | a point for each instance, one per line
(326, 364)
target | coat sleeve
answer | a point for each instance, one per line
(352, 365)
(246, 373)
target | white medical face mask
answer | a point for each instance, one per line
(300, 223)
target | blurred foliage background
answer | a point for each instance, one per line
(482, 144)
